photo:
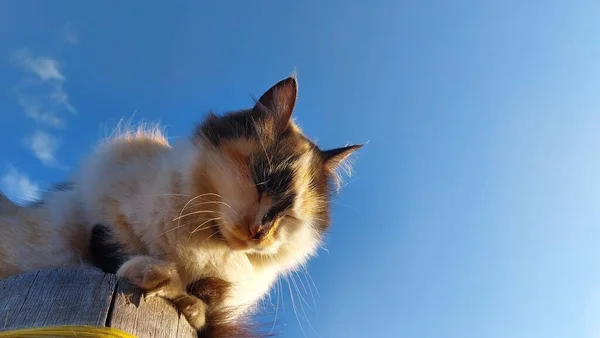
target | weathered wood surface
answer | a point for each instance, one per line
(85, 296)
(154, 317)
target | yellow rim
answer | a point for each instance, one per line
(79, 331)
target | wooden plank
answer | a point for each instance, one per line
(85, 298)
(13, 292)
(185, 329)
(147, 318)
(56, 297)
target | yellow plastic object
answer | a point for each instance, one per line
(79, 331)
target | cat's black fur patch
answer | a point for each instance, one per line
(217, 129)
(62, 186)
(105, 255)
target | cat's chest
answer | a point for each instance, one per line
(248, 283)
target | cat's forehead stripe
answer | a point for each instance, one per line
(241, 124)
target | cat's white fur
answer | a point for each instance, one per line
(152, 169)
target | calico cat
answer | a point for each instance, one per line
(209, 223)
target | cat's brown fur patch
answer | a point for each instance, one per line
(211, 290)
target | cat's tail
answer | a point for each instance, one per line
(220, 325)
(221, 321)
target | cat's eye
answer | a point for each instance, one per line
(268, 218)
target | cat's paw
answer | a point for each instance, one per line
(155, 277)
(193, 309)
(160, 278)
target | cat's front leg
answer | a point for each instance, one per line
(159, 278)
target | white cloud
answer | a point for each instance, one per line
(33, 110)
(44, 147)
(45, 68)
(42, 97)
(17, 186)
(41, 92)
(60, 97)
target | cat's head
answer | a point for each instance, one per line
(273, 184)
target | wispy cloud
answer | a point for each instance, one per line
(34, 110)
(42, 96)
(42, 87)
(70, 35)
(45, 68)
(44, 147)
(17, 186)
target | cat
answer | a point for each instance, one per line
(208, 223)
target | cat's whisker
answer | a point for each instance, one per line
(299, 293)
(178, 226)
(196, 197)
(209, 202)
(205, 228)
(306, 273)
(300, 297)
(301, 282)
(287, 279)
(193, 213)
(210, 194)
(230, 207)
(281, 293)
(312, 295)
(190, 222)
(190, 201)
(279, 290)
(199, 227)
(276, 307)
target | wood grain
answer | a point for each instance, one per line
(150, 317)
(56, 297)
(86, 296)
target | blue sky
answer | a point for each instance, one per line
(473, 211)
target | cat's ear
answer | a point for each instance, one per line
(280, 100)
(334, 157)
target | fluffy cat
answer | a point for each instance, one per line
(209, 223)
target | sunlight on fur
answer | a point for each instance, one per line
(210, 222)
